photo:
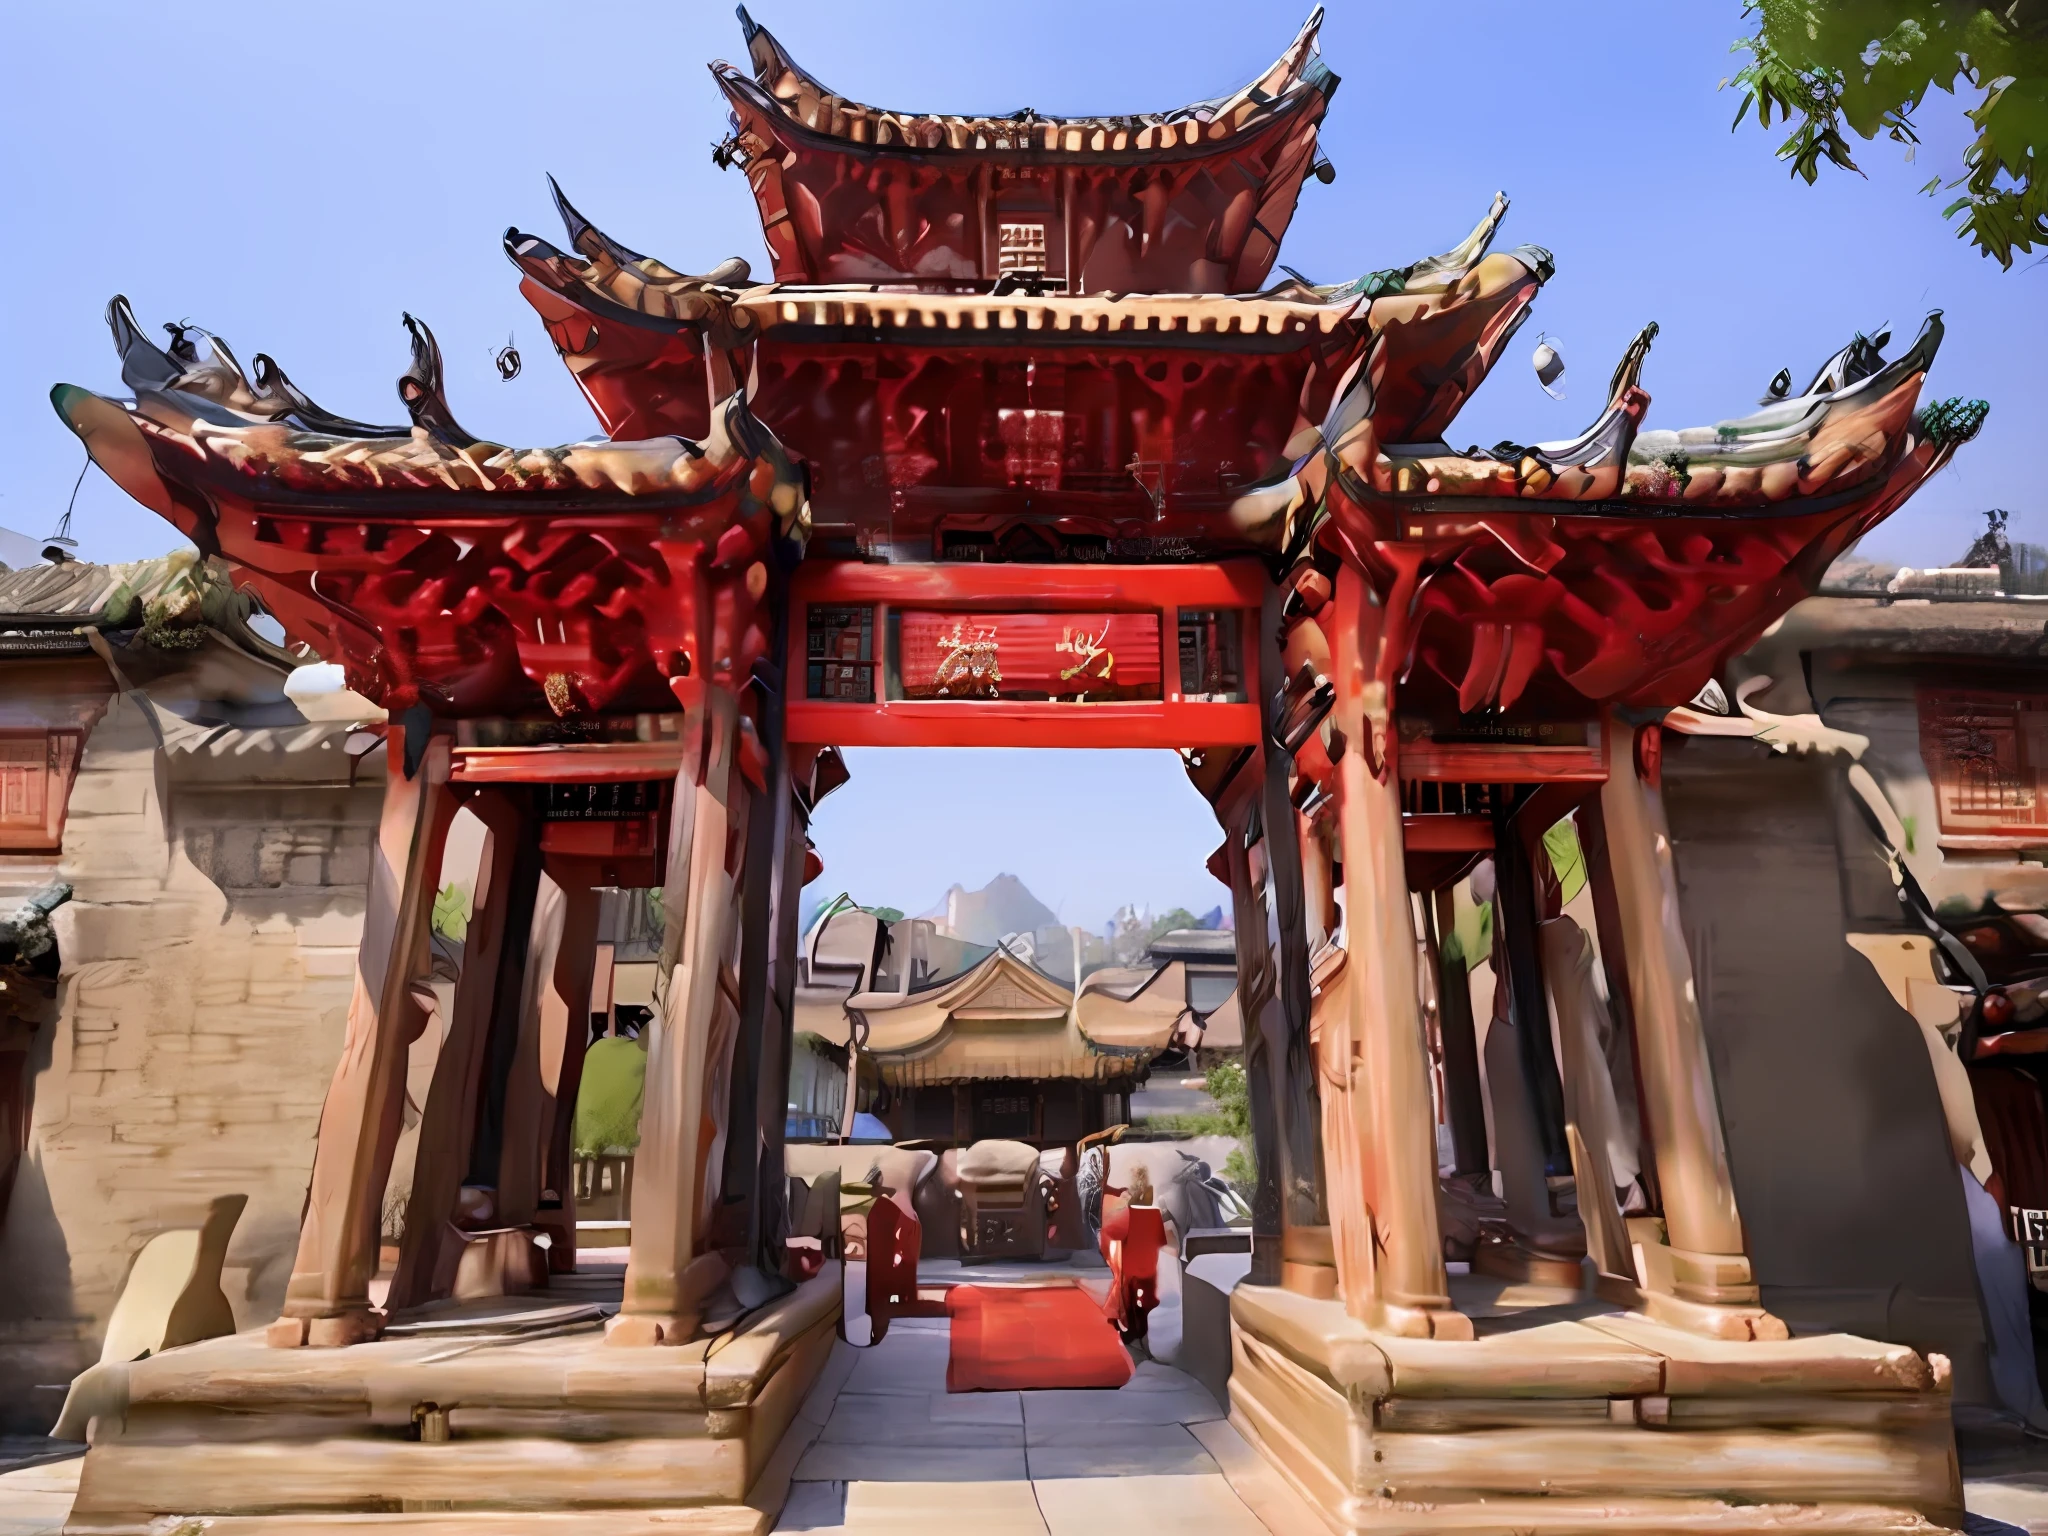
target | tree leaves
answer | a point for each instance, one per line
(451, 912)
(1567, 858)
(1829, 68)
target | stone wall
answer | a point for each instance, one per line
(207, 962)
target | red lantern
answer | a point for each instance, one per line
(1650, 755)
(1997, 1010)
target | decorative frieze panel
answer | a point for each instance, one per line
(1985, 751)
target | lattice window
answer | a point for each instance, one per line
(36, 770)
(1985, 752)
(1020, 248)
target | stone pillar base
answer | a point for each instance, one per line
(1498, 1254)
(358, 1326)
(1615, 1422)
(639, 1330)
(415, 1436)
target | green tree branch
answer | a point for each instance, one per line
(1826, 69)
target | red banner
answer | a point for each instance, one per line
(1092, 657)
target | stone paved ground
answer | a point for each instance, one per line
(899, 1454)
(35, 1500)
(2005, 1478)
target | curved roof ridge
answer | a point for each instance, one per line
(780, 84)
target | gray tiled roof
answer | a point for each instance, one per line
(75, 592)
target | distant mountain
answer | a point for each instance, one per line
(1004, 906)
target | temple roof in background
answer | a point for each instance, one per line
(46, 609)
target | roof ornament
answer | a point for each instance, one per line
(1780, 387)
(1712, 699)
(506, 359)
(420, 388)
(1549, 365)
(1859, 360)
(1432, 274)
(209, 368)
(593, 243)
(585, 237)
(144, 365)
(58, 546)
(283, 400)
(728, 152)
(216, 376)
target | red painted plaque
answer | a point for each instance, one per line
(1093, 657)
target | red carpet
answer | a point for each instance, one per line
(1007, 1338)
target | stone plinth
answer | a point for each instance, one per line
(458, 1433)
(1602, 1418)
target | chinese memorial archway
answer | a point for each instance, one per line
(1021, 446)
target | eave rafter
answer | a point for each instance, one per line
(444, 569)
(1619, 566)
(631, 328)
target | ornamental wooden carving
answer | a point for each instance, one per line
(1189, 201)
(949, 412)
(443, 569)
(1986, 751)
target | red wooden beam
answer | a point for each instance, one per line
(1007, 723)
(969, 584)
(1504, 763)
(1447, 834)
(1169, 721)
(606, 762)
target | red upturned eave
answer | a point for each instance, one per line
(1192, 201)
(908, 427)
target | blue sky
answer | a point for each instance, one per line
(294, 177)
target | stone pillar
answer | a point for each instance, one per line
(1588, 1095)
(778, 1024)
(1262, 860)
(564, 1036)
(1706, 1265)
(759, 1093)
(1515, 912)
(448, 1122)
(1464, 1097)
(666, 1278)
(528, 1102)
(1307, 1257)
(1388, 1067)
(1263, 1043)
(327, 1300)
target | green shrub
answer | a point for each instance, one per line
(608, 1102)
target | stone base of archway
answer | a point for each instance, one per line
(1598, 1419)
(412, 1434)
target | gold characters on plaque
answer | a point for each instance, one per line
(969, 668)
(1087, 650)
